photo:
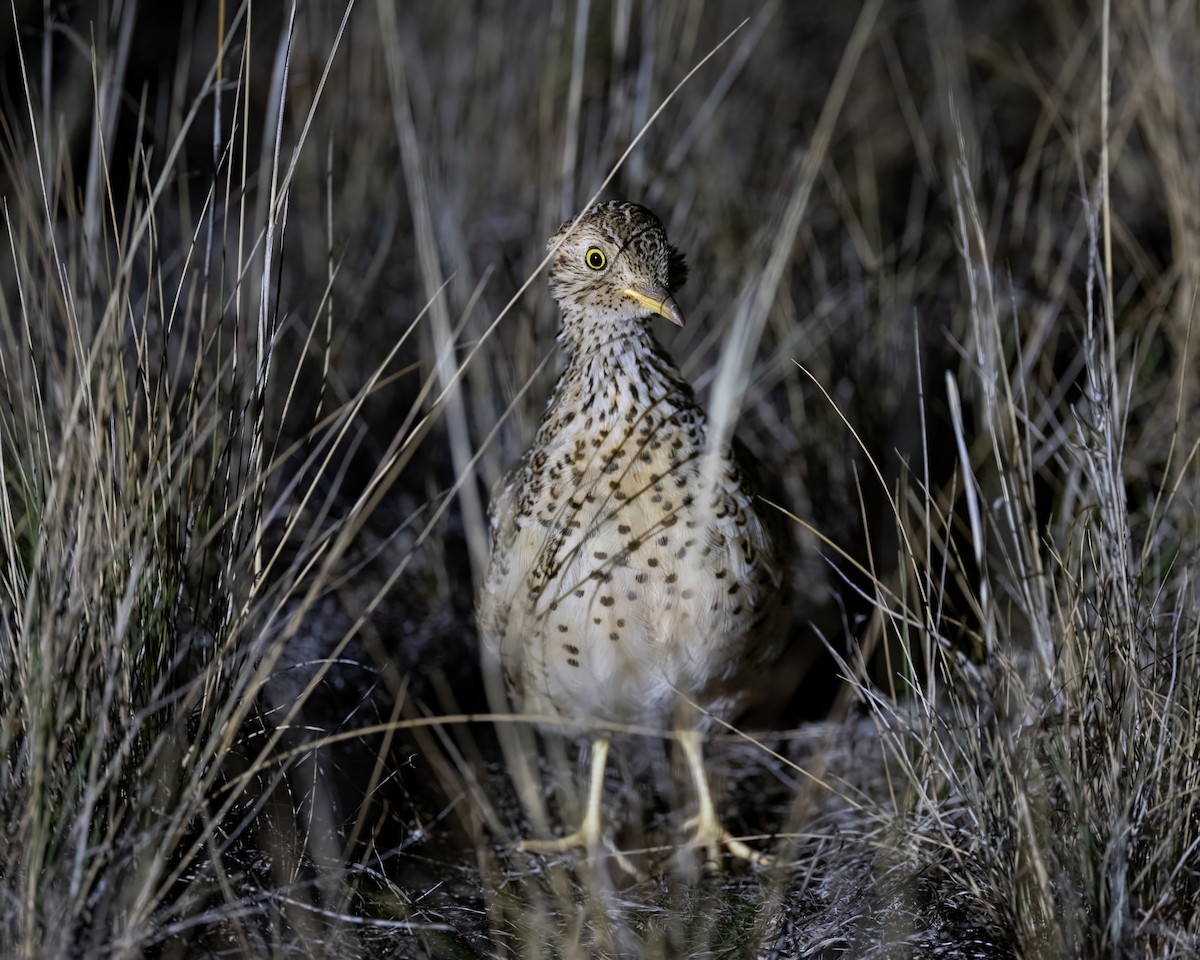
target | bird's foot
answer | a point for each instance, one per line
(588, 837)
(709, 835)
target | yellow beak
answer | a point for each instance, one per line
(657, 300)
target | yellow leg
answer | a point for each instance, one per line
(708, 833)
(590, 833)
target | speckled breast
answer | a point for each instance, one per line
(642, 583)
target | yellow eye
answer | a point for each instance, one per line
(594, 258)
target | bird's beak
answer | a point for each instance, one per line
(657, 300)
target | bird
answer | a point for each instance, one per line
(634, 577)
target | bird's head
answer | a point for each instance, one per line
(616, 262)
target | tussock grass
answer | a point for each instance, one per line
(272, 323)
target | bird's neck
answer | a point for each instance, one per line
(584, 332)
(611, 357)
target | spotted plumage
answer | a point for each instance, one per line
(632, 569)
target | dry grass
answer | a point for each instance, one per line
(272, 323)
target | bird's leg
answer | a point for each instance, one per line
(590, 833)
(708, 833)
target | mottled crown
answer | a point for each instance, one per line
(616, 246)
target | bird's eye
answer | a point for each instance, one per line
(594, 258)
